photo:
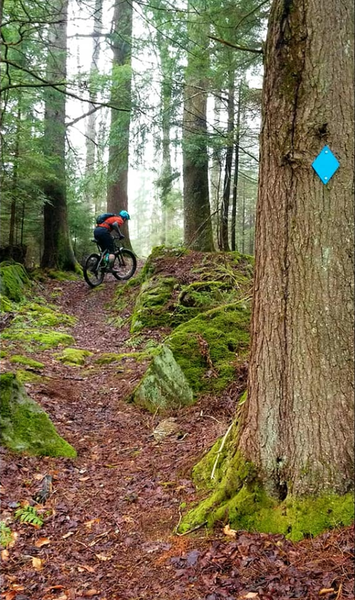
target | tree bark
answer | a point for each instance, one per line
(236, 174)
(117, 196)
(91, 121)
(299, 426)
(224, 240)
(197, 212)
(57, 251)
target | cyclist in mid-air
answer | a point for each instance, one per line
(102, 232)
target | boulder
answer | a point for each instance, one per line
(24, 425)
(164, 385)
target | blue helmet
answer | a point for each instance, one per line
(124, 214)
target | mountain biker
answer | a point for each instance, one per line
(102, 232)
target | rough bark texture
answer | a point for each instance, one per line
(197, 212)
(224, 241)
(117, 197)
(299, 426)
(57, 251)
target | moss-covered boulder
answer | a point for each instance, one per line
(164, 385)
(152, 306)
(179, 284)
(25, 427)
(13, 280)
(209, 347)
(34, 323)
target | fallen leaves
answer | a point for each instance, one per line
(37, 563)
(42, 542)
(229, 532)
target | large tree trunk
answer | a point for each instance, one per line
(290, 459)
(91, 124)
(197, 212)
(117, 196)
(299, 428)
(57, 251)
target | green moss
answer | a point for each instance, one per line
(5, 304)
(73, 356)
(240, 499)
(110, 357)
(209, 347)
(164, 385)
(25, 427)
(65, 275)
(24, 360)
(44, 339)
(28, 377)
(3, 353)
(13, 280)
(43, 316)
(34, 324)
(152, 305)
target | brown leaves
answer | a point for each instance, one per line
(42, 542)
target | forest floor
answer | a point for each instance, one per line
(109, 527)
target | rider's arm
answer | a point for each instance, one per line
(115, 226)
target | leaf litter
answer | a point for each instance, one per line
(108, 531)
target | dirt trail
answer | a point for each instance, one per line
(117, 504)
(113, 510)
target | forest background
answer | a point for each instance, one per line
(152, 107)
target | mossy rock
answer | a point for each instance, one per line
(74, 356)
(24, 360)
(209, 347)
(34, 323)
(152, 304)
(164, 385)
(43, 316)
(13, 280)
(25, 427)
(45, 339)
(157, 253)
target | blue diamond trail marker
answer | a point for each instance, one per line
(325, 164)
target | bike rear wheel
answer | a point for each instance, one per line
(93, 275)
(125, 264)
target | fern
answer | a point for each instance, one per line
(28, 514)
(5, 535)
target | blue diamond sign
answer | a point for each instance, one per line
(325, 164)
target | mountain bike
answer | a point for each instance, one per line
(97, 265)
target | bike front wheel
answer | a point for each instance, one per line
(125, 264)
(93, 275)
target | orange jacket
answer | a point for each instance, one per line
(109, 222)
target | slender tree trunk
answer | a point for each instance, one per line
(243, 219)
(299, 427)
(91, 120)
(12, 239)
(224, 241)
(117, 196)
(57, 251)
(236, 174)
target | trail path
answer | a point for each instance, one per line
(113, 510)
